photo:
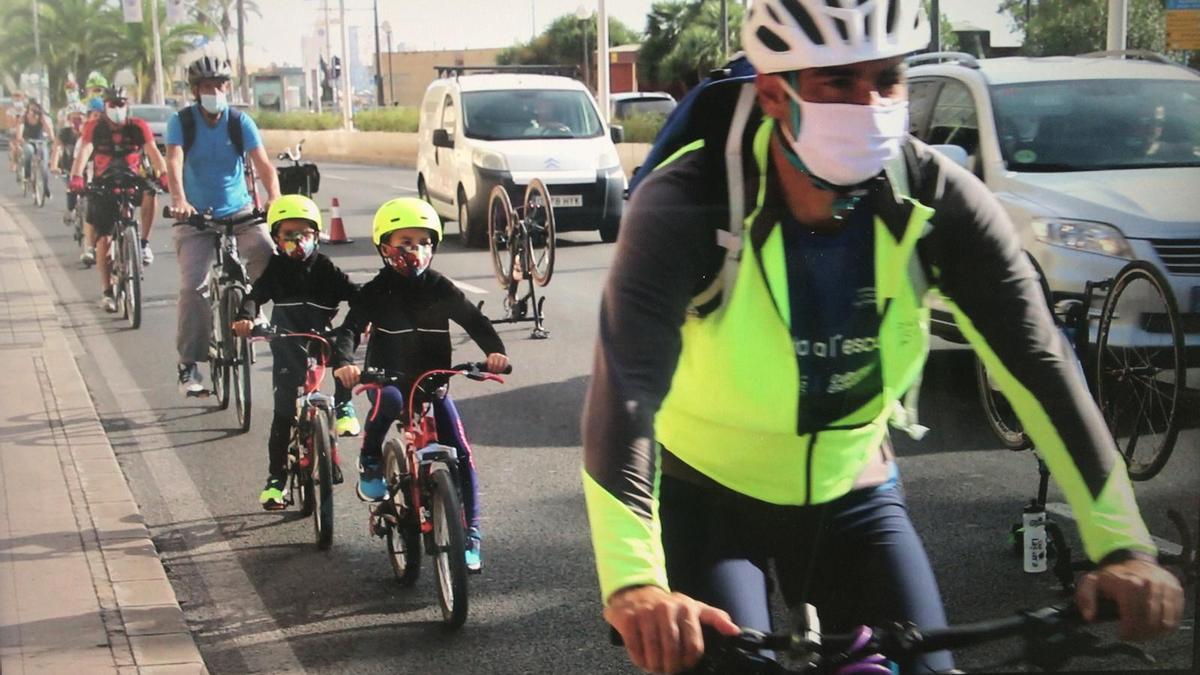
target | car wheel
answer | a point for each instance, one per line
(608, 230)
(473, 235)
(422, 192)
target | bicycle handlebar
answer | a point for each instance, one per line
(205, 220)
(375, 378)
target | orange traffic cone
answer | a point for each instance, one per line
(337, 230)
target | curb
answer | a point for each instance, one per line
(146, 629)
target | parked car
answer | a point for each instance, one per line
(479, 130)
(156, 116)
(1096, 159)
(627, 104)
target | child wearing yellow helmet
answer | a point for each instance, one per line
(410, 307)
(306, 287)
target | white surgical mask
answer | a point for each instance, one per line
(846, 144)
(214, 104)
(117, 115)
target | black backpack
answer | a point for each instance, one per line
(187, 120)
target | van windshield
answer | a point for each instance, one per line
(521, 114)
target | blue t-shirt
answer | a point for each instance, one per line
(835, 324)
(213, 173)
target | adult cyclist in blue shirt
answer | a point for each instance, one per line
(207, 172)
(742, 430)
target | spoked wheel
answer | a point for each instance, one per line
(539, 216)
(404, 538)
(322, 479)
(1140, 367)
(449, 547)
(1000, 415)
(132, 277)
(39, 185)
(303, 480)
(239, 367)
(500, 230)
(220, 348)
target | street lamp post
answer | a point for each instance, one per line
(935, 44)
(387, 28)
(378, 74)
(582, 13)
(348, 102)
(602, 62)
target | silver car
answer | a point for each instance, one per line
(156, 117)
(1096, 159)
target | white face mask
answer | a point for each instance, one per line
(846, 144)
(214, 104)
(117, 115)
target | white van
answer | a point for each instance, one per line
(479, 130)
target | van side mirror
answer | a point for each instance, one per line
(441, 139)
(617, 132)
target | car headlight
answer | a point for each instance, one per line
(608, 160)
(486, 159)
(1082, 235)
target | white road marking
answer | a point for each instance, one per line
(1063, 511)
(405, 188)
(333, 177)
(468, 288)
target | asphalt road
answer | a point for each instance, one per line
(261, 598)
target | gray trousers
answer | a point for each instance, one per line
(194, 250)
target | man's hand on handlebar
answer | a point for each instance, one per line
(661, 630)
(1149, 598)
(76, 184)
(496, 363)
(243, 328)
(180, 208)
(348, 375)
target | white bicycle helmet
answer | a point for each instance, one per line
(786, 35)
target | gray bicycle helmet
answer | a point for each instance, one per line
(209, 68)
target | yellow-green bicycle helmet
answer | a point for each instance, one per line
(293, 206)
(96, 81)
(404, 212)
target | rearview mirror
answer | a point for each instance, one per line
(441, 139)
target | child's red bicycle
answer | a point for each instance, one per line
(313, 448)
(423, 507)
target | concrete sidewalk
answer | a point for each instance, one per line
(82, 589)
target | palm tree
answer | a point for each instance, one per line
(222, 16)
(136, 48)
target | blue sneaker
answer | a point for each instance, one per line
(474, 551)
(371, 487)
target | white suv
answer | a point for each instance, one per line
(479, 130)
(1096, 160)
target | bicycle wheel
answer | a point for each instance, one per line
(39, 182)
(322, 478)
(404, 538)
(449, 546)
(1139, 367)
(131, 274)
(1000, 415)
(302, 469)
(500, 230)
(220, 345)
(239, 357)
(539, 215)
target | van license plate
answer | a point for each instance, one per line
(566, 201)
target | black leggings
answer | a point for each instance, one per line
(857, 559)
(287, 376)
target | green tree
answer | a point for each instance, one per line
(949, 40)
(1067, 27)
(562, 43)
(221, 15)
(683, 40)
(135, 46)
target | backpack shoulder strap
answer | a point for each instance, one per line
(235, 131)
(187, 122)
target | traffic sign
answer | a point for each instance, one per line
(1183, 27)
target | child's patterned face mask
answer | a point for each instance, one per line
(298, 245)
(411, 261)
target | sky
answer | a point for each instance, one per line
(458, 24)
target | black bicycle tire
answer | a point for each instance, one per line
(132, 277)
(1012, 437)
(536, 186)
(218, 364)
(323, 480)
(39, 188)
(1131, 271)
(449, 548)
(241, 391)
(406, 562)
(502, 273)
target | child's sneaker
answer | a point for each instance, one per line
(347, 420)
(371, 487)
(474, 551)
(272, 498)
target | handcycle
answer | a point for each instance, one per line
(521, 242)
(125, 252)
(423, 508)
(1136, 369)
(229, 357)
(312, 450)
(301, 178)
